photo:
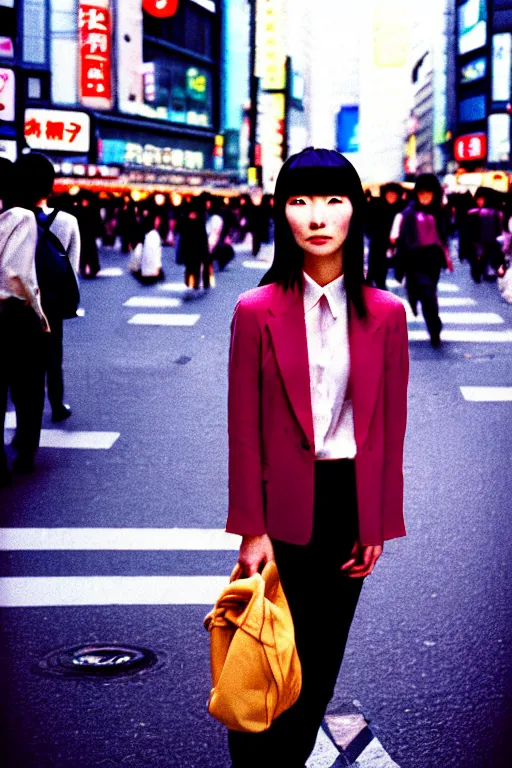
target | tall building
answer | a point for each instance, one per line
(127, 91)
(482, 58)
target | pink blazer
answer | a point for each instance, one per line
(270, 422)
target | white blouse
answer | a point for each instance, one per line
(325, 311)
(18, 238)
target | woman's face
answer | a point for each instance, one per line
(319, 223)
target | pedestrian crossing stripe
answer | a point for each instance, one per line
(153, 302)
(163, 319)
(442, 287)
(256, 264)
(64, 438)
(465, 336)
(177, 287)
(109, 539)
(456, 301)
(487, 394)
(110, 272)
(462, 318)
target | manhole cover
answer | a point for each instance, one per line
(97, 661)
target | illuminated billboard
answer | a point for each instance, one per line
(472, 18)
(473, 70)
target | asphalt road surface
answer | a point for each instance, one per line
(117, 538)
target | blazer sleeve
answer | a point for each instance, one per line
(246, 505)
(395, 419)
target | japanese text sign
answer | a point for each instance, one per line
(473, 146)
(95, 66)
(7, 94)
(57, 130)
(162, 9)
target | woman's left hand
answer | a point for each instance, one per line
(362, 561)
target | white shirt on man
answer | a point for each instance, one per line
(18, 238)
(326, 315)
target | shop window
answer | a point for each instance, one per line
(177, 90)
(7, 29)
(191, 28)
(472, 108)
(34, 31)
(34, 90)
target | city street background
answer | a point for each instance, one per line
(428, 660)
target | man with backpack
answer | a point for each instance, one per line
(57, 256)
(23, 327)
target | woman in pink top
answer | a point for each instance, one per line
(316, 418)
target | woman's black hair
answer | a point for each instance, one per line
(318, 172)
(6, 180)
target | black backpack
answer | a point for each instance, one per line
(60, 295)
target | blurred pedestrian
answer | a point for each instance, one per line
(193, 246)
(146, 263)
(422, 251)
(91, 228)
(381, 214)
(315, 462)
(22, 328)
(484, 225)
(219, 235)
(36, 175)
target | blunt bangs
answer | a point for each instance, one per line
(318, 172)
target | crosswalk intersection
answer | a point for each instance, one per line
(55, 591)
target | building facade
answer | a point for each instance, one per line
(137, 89)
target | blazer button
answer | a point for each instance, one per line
(305, 444)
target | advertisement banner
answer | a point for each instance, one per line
(7, 95)
(472, 19)
(501, 63)
(472, 146)
(270, 51)
(94, 24)
(57, 130)
(499, 138)
(348, 129)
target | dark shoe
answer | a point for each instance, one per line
(435, 342)
(23, 464)
(61, 413)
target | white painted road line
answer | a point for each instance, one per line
(153, 302)
(443, 287)
(456, 301)
(487, 394)
(463, 318)
(325, 752)
(163, 319)
(256, 264)
(155, 539)
(63, 438)
(465, 336)
(177, 287)
(110, 272)
(375, 756)
(54, 591)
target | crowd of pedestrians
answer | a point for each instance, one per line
(411, 232)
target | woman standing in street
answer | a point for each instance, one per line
(423, 251)
(316, 419)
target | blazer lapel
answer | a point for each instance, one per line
(366, 367)
(287, 328)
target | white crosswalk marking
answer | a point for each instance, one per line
(173, 287)
(442, 287)
(462, 318)
(456, 301)
(158, 539)
(375, 756)
(163, 319)
(64, 438)
(496, 337)
(53, 591)
(153, 302)
(110, 272)
(325, 752)
(256, 264)
(487, 394)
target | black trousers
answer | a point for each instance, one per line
(322, 602)
(54, 376)
(378, 264)
(422, 287)
(21, 373)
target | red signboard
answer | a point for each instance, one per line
(95, 71)
(162, 9)
(473, 146)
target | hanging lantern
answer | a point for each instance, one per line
(161, 9)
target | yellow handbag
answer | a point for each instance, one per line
(255, 668)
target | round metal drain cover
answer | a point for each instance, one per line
(97, 661)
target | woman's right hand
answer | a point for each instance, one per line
(255, 551)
